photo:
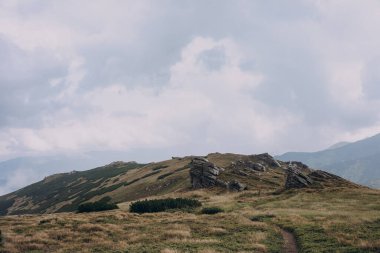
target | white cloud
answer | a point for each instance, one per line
(245, 77)
(198, 106)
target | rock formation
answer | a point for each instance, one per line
(323, 175)
(267, 159)
(296, 179)
(239, 164)
(203, 173)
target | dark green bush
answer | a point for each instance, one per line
(160, 205)
(96, 207)
(1, 239)
(212, 210)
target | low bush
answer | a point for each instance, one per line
(160, 205)
(96, 207)
(212, 210)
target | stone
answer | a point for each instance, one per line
(267, 159)
(296, 179)
(239, 164)
(203, 173)
(321, 175)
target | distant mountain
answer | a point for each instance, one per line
(339, 145)
(358, 161)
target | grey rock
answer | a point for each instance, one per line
(248, 165)
(267, 159)
(321, 175)
(296, 179)
(203, 173)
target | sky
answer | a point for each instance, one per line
(187, 77)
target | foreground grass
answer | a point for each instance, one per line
(334, 220)
(118, 231)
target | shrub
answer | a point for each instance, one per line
(96, 207)
(212, 210)
(160, 205)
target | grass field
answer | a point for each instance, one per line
(333, 220)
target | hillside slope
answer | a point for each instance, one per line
(358, 161)
(35, 168)
(120, 182)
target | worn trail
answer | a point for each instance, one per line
(290, 245)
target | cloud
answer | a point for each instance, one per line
(197, 107)
(16, 179)
(246, 77)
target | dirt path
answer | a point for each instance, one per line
(290, 245)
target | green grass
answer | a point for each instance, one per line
(47, 194)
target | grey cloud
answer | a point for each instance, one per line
(371, 79)
(24, 81)
(287, 42)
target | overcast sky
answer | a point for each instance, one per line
(187, 76)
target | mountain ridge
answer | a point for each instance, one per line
(357, 161)
(128, 181)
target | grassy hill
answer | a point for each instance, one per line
(358, 161)
(327, 220)
(330, 215)
(121, 182)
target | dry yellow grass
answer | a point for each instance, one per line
(348, 217)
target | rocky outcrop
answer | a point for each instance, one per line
(320, 175)
(296, 179)
(239, 164)
(203, 173)
(266, 159)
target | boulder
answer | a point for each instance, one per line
(296, 179)
(267, 159)
(203, 173)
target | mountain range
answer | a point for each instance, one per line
(357, 161)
